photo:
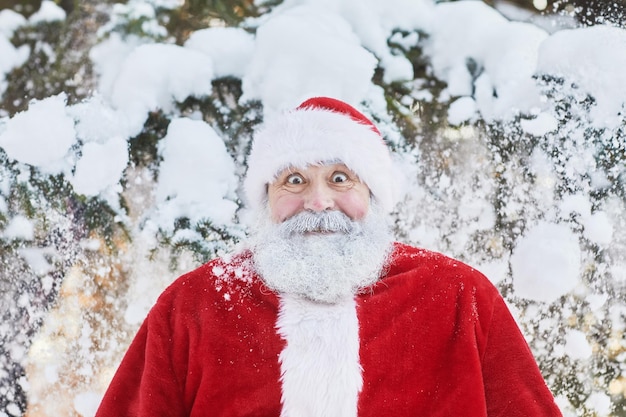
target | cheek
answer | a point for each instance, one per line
(354, 204)
(285, 206)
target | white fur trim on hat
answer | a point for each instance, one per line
(313, 135)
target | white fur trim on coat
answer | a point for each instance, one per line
(310, 136)
(320, 368)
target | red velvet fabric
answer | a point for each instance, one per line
(436, 340)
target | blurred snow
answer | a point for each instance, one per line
(546, 262)
(230, 49)
(152, 77)
(303, 52)
(41, 136)
(20, 227)
(576, 345)
(592, 60)
(48, 12)
(197, 176)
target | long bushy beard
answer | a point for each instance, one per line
(325, 256)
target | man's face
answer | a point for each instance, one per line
(318, 188)
(319, 237)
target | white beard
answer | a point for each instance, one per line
(326, 267)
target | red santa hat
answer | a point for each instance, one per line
(320, 130)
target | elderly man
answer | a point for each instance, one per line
(322, 314)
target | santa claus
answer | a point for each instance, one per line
(322, 314)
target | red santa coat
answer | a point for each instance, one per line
(432, 338)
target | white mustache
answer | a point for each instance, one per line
(325, 221)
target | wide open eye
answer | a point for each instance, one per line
(339, 177)
(295, 179)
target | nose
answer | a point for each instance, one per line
(319, 197)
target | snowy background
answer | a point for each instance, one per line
(509, 128)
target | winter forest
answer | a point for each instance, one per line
(124, 129)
